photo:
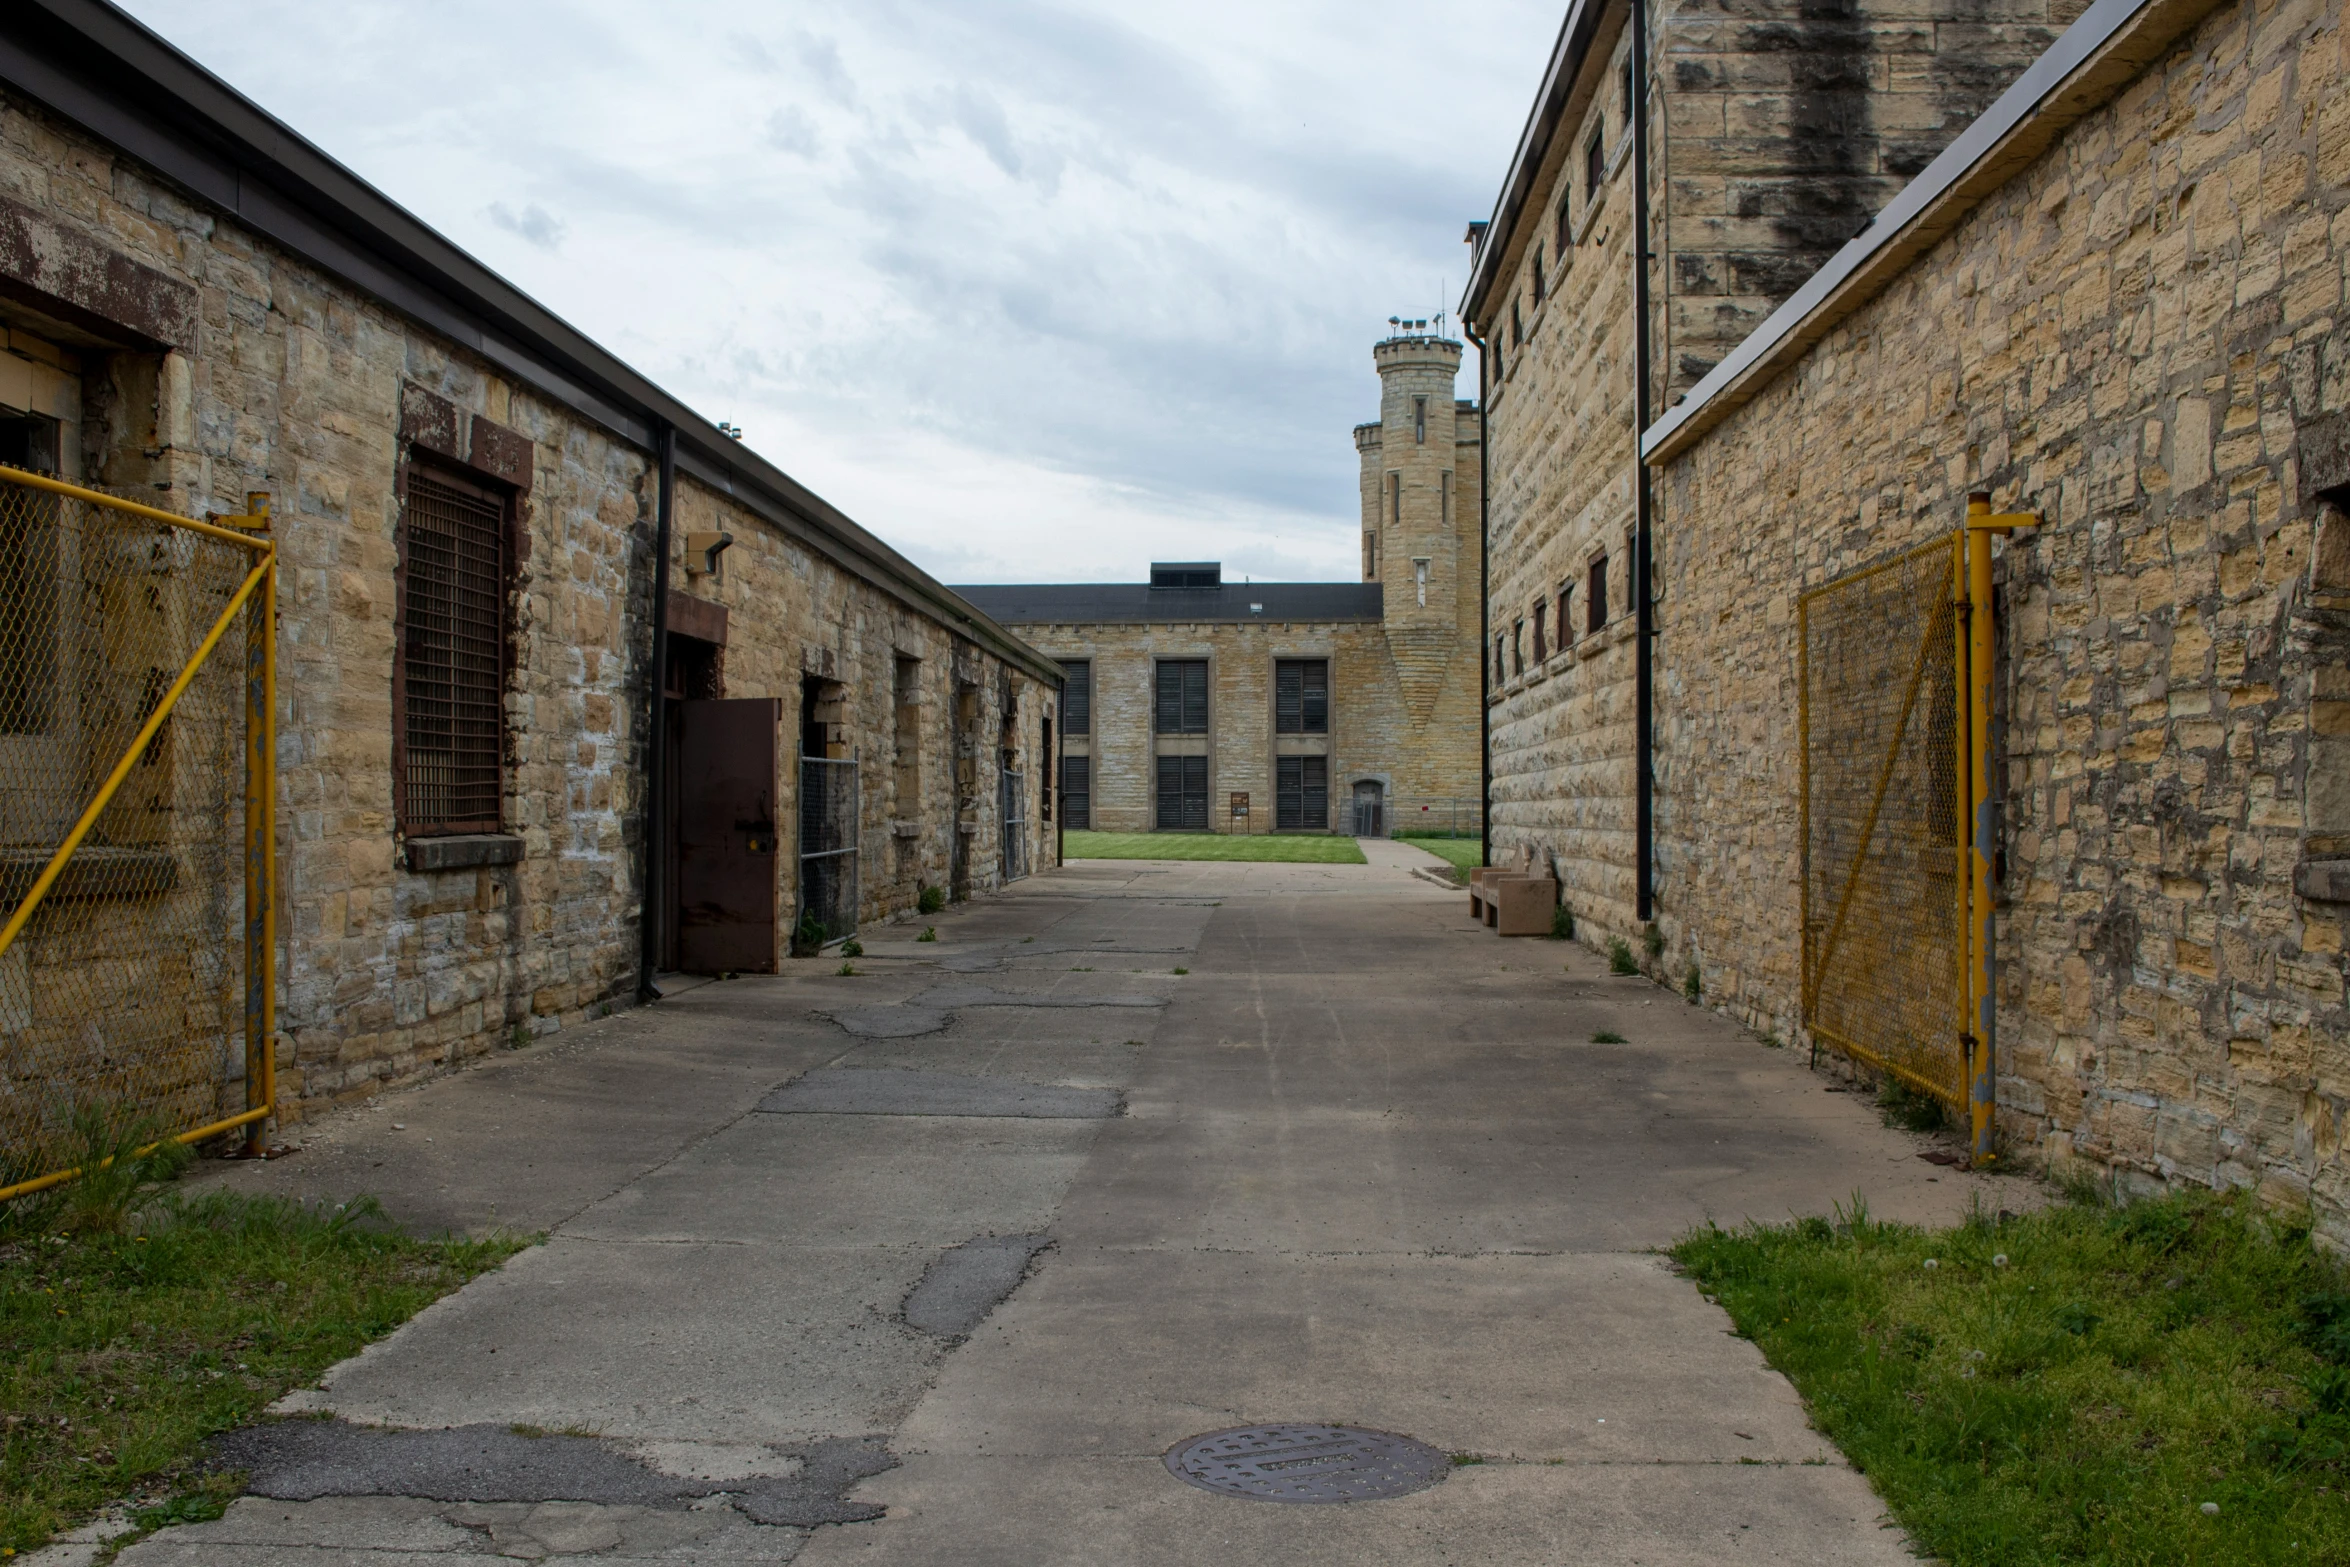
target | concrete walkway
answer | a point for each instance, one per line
(933, 1264)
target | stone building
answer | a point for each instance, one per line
(2115, 302)
(1772, 133)
(1196, 704)
(470, 498)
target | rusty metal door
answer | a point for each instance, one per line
(726, 836)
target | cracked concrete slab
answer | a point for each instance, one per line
(873, 1091)
(1372, 1169)
(969, 1281)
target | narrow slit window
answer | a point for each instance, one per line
(1541, 642)
(1541, 285)
(1595, 597)
(1594, 167)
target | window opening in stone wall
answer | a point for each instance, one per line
(1301, 794)
(1077, 697)
(1420, 421)
(1077, 792)
(1566, 217)
(1183, 793)
(1566, 614)
(1370, 555)
(1182, 707)
(1420, 578)
(1301, 696)
(1518, 645)
(452, 594)
(1443, 502)
(1517, 325)
(1541, 638)
(1594, 167)
(1595, 598)
(1501, 663)
(1540, 286)
(1395, 499)
(906, 705)
(1627, 92)
(29, 568)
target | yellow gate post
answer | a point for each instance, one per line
(260, 842)
(1979, 957)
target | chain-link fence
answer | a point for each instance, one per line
(1883, 824)
(135, 791)
(1435, 816)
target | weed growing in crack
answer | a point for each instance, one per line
(1619, 957)
(1608, 1036)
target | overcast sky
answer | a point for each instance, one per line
(1036, 292)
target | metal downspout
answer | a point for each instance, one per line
(656, 890)
(1644, 664)
(1484, 618)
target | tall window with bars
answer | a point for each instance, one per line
(1301, 794)
(1077, 697)
(454, 566)
(1301, 696)
(1181, 708)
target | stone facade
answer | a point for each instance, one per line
(214, 360)
(2139, 335)
(1403, 667)
(1776, 131)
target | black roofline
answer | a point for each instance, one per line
(102, 69)
(1575, 37)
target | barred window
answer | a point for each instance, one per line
(1077, 792)
(1301, 696)
(1183, 793)
(1077, 697)
(1301, 793)
(1182, 697)
(453, 570)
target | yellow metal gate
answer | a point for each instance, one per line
(1881, 651)
(137, 924)
(1894, 691)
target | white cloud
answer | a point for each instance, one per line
(1034, 291)
(534, 223)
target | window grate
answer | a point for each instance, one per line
(1077, 697)
(453, 603)
(1301, 696)
(1301, 795)
(1182, 707)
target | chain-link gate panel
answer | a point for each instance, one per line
(828, 850)
(133, 836)
(1012, 803)
(1882, 821)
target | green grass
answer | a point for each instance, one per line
(1464, 854)
(2071, 1386)
(121, 1352)
(1300, 849)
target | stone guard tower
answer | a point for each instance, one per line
(1420, 508)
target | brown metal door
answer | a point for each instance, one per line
(726, 836)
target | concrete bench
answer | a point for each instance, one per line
(1521, 905)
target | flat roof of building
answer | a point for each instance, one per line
(1134, 603)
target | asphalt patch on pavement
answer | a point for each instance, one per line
(815, 1495)
(884, 1091)
(303, 1460)
(969, 1281)
(902, 1022)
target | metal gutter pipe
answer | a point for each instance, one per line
(1644, 633)
(1484, 616)
(656, 889)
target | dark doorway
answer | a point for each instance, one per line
(693, 675)
(726, 835)
(1370, 810)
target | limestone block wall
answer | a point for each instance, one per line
(293, 381)
(2138, 336)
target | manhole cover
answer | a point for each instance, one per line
(1310, 1463)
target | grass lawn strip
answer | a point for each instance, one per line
(1464, 854)
(2166, 1383)
(1302, 849)
(120, 1353)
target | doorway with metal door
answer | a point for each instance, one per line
(1370, 809)
(725, 835)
